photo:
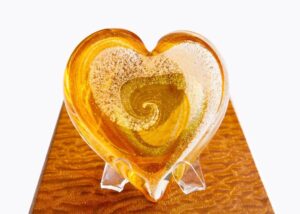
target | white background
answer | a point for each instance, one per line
(259, 41)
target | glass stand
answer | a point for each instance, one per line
(188, 176)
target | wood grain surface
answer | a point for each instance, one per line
(70, 180)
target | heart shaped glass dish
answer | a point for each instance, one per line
(147, 114)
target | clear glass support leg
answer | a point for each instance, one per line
(112, 180)
(189, 177)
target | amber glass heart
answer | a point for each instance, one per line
(149, 109)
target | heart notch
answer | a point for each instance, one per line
(148, 115)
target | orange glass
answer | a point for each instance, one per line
(146, 114)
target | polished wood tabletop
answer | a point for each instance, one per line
(70, 179)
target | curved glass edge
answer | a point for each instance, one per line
(111, 179)
(189, 177)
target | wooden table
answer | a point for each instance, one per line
(69, 182)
